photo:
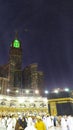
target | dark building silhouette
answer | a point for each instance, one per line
(13, 76)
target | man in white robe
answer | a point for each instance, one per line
(48, 122)
(13, 122)
(70, 122)
(3, 123)
(30, 124)
(64, 123)
(10, 123)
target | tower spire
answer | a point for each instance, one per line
(16, 34)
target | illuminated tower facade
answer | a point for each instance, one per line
(15, 63)
(32, 78)
(13, 77)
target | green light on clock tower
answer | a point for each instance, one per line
(16, 43)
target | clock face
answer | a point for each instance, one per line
(16, 44)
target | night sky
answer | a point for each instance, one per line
(45, 28)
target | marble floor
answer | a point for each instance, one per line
(54, 128)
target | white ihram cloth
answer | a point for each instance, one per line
(48, 122)
(30, 124)
(10, 124)
(63, 124)
(3, 124)
(70, 123)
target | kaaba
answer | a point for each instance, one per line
(60, 103)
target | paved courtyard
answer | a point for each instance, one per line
(54, 128)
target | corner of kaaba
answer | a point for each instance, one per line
(60, 103)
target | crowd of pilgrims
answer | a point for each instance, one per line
(36, 122)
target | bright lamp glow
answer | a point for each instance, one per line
(56, 91)
(17, 91)
(36, 91)
(46, 91)
(8, 90)
(27, 91)
(66, 89)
